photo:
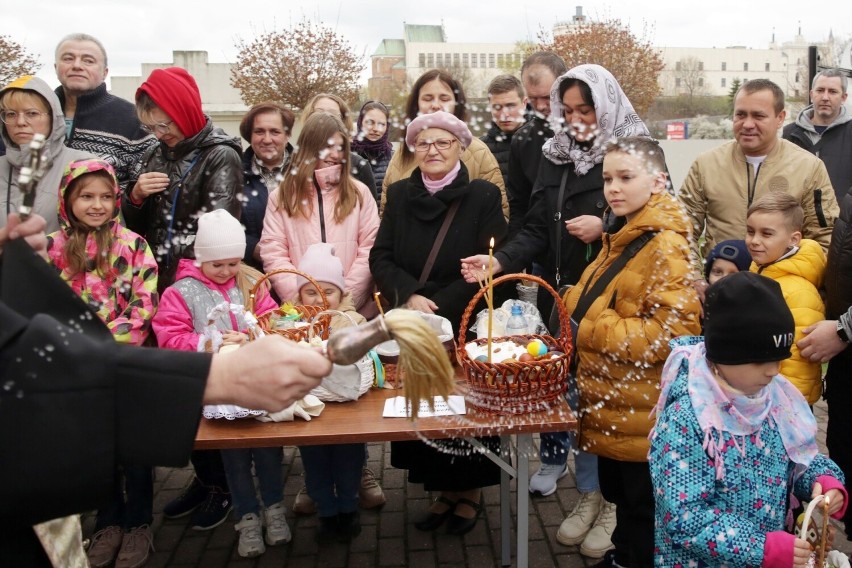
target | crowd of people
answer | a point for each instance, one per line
(700, 315)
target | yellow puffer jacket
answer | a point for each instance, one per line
(623, 340)
(480, 163)
(800, 277)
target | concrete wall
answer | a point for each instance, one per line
(681, 153)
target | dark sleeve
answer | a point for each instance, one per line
(78, 406)
(518, 190)
(393, 281)
(363, 172)
(136, 216)
(532, 241)
(223, 183)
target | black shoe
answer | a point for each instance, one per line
(608, 561)
(432, 521)
(348, 526)
(327, 530)
(213, 512)
(462, 525)
(193, 495)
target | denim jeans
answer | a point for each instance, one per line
(554, 451)
(133, 501)
(267, 466)
(333, 476)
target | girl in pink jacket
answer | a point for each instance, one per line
(319, 201)
(218, 275)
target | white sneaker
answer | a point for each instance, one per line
(251, 539)
(277, 530)
(577, 525)
(599, 539)
(544, 480)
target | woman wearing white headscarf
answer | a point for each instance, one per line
(562, 230)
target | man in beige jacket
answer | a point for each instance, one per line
(724, 182)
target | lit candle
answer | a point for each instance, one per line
(378, 302)
(489, 294)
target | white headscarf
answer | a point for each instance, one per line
(615, 115)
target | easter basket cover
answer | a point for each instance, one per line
(513, 386)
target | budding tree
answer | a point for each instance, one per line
(15, 61)
(292, 65)
(634, 62)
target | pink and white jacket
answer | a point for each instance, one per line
(285, 240)
(182, 316)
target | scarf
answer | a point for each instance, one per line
(435, 186)
(718, 410)
(329, 177)
(381, 148)
(615, 115)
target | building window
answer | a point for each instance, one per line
(767, 67)
(701, 66)
(422, 60)
(677, 82)
(724, 81)
(474, 60)
(430, 60)
(798, 77)
(465, 59)
(439, 59)
(456, 60)
(482, 60)
(678, 66)
(491, 60)
(745, 66)
(501, 60)
(701, 81)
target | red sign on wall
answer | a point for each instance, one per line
(676, 131)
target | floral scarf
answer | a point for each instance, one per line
(615, 114)
(740, 416)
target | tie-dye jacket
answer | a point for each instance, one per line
(127, 298)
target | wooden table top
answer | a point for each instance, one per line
(362, 421)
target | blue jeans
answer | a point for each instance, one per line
(133, 501)
(333, 476)
(267, 466)
(554, 451)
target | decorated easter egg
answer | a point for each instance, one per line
(536, 348)
(481, 358)
(526, 357)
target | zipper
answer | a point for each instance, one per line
(752, 186)
(818, 208)
(321, 214)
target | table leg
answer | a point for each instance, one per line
(525, 447)
(505, 503)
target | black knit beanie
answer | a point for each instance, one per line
(746, 320)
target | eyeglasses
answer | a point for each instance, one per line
(161, 127)
(10, 117)
(442, 144)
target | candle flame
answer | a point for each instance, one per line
(491, 243)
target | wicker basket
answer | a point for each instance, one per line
(320, 326)
(517, 387)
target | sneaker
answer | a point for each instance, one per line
(608, 561)
(304, 505)
(251, 539)
(136, 547)
(370, 496)
(348, 526)
(577, 525)
(193, 496)
(213, 511)
(277, 530)
(544, 480)
(104, 547)
(599, 539)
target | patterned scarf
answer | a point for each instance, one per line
(615, 114)
(741, 416)
(372, 150)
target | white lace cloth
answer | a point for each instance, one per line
(229, 411)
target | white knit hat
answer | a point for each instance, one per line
(219, 237)
(320, 264)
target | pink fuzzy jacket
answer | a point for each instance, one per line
(285, 240)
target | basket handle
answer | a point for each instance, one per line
(564, 317)
(265, 277)
(803, 533)
(314, 319)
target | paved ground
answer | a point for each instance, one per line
(389, 537)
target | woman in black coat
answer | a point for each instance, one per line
(416, 209)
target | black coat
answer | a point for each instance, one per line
(499, 143)
(838, 272)
(363, 172)
(407, 232)
(524, 158)
(834, 148)
(211, 164)
(79, 404)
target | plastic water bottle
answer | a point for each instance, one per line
(517, 323)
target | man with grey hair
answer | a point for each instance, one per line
(825, 128)
(97, 121)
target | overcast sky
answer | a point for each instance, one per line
(148, 31)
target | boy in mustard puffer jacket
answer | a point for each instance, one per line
(774, 239)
